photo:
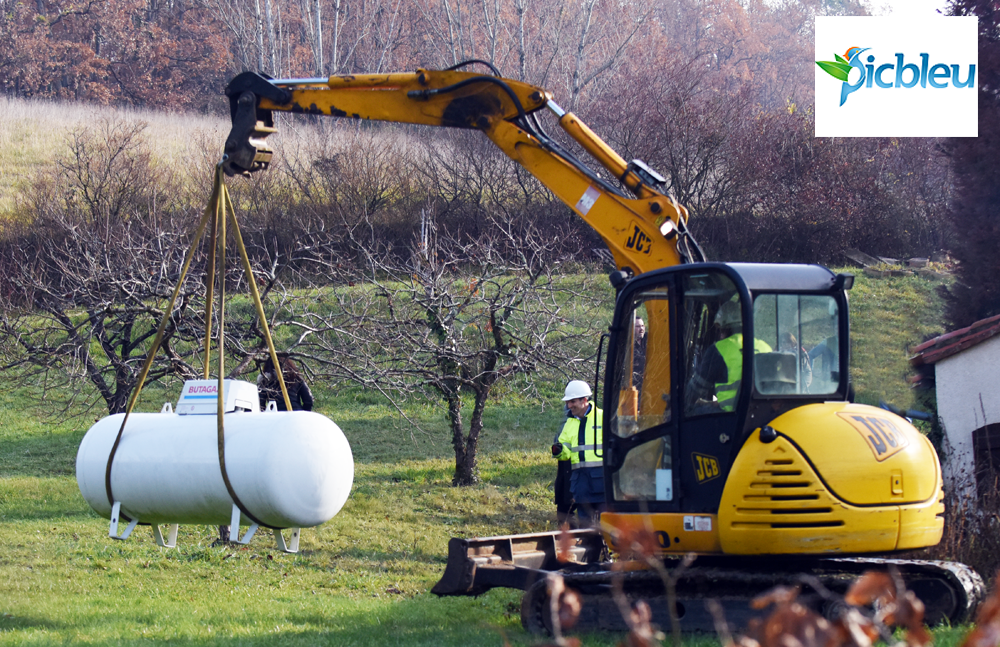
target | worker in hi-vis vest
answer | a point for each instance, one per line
(716, 380)
(581, 443)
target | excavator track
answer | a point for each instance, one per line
(949, 590)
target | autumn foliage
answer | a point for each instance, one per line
(715, 95)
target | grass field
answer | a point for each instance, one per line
(36, 133)
(359, 579)
(362, 578)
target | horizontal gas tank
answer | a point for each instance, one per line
(289, 469)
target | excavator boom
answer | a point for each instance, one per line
(644, 228)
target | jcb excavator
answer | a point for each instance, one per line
(773, 474)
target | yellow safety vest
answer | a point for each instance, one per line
(580, 449)
(731, 349)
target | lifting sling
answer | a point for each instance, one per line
(217, 212)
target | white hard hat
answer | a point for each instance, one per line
(729, 315)
(577, 389)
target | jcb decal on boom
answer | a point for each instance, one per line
(882, 436)
(706, 468)
(639, 241)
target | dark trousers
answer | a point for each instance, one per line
(565, 505)
(587, 485)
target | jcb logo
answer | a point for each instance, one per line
(706, 468)
(639, 241)
(884, 438)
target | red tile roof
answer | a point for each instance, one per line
(948, 344)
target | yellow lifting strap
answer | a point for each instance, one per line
(217, 212)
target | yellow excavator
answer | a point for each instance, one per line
(767, 473)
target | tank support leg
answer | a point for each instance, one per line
(290, 547)
(115, 515)
(171, 536)
(234, 528)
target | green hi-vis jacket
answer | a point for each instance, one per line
(731, 349)
(581, 442)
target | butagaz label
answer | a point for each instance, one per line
(202, 389)
(896, 77)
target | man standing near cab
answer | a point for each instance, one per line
(581, 443)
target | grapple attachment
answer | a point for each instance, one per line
(246, 150)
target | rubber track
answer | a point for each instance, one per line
(949, 590)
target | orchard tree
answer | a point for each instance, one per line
(449, 320)
(82, 278)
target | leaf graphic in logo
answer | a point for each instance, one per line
(836, 69)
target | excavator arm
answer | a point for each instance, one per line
(644, 228)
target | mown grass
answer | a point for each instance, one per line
(889, 316)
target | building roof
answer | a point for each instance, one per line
(952, 343)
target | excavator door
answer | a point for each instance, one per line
(701, 355)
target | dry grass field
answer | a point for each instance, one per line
(34, 134)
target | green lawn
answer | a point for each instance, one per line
(364, 577)
(360, 579)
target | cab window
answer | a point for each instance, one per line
(802, 332)
(713, 325)
(642, 372)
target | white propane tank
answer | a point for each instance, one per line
(289, 469)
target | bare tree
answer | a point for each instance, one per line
(257, 34)
(605, 36)
(84, 307)
(83, 278)
(449, 319)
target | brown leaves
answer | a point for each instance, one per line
(564, 544)
(987, 631)
(896, 606)
(565, 604)
(871, 587)
(642, 633)
(791, 624)
(637, 544)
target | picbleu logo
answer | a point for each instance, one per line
(898, 74)
(903, 76)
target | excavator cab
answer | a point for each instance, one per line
(685, 395)
(729, 427)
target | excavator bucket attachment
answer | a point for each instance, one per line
(515, 561)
